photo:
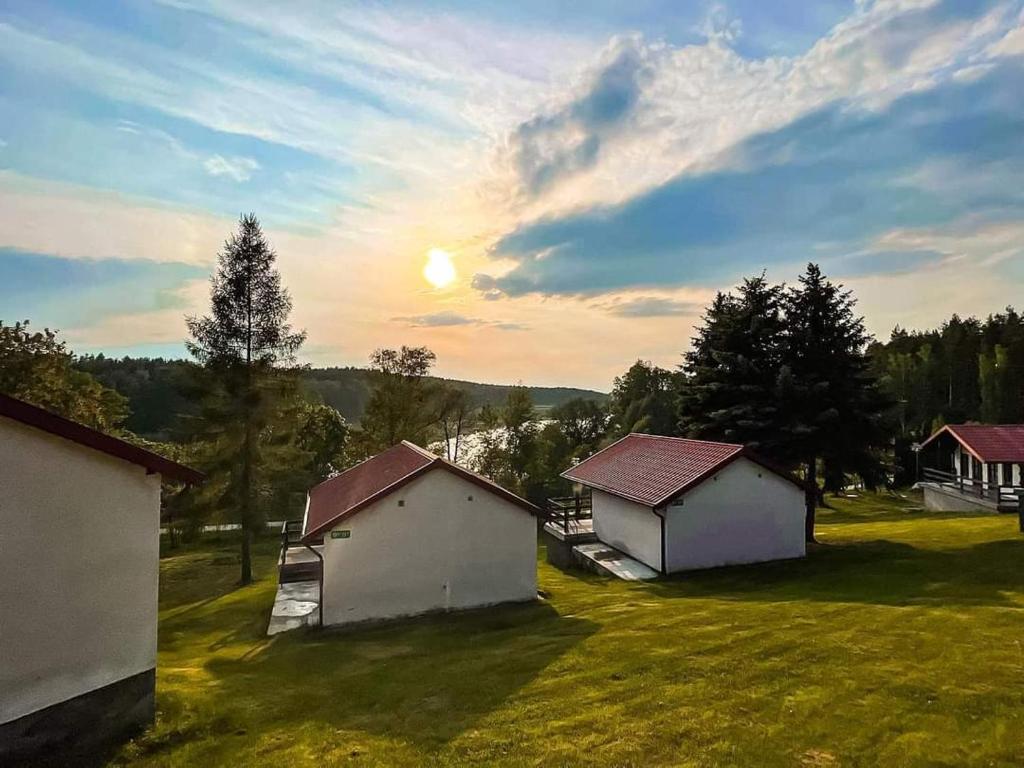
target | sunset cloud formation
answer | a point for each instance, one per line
(591, 178)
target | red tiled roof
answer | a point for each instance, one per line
(37, 417)
(358, 487)
(987, 442)
(652, 469)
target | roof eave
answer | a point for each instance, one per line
(949, 429)
(46, 421)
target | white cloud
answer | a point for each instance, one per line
(699, 101)
(719, 25)
(430, 140)
(1010, 44)
(237, 168)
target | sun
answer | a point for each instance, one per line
(439, 270)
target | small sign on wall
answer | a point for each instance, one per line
(341, 534)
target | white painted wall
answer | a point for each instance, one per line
(629, 527)
(440, 550)
(78, 569)
(744, 514)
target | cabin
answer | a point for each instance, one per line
(406, 533)
(973, 467)
(673, 504)
(80, 526)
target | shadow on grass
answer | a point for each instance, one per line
(881, 572)
(417, 681)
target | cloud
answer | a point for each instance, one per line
(719, 25)
(237, 168)
(448, 318)
(651, 306)
(840, 176)
(568, 139)
(77, 293)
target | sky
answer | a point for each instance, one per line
(541, 192)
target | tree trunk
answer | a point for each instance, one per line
(246, 510)
(247, 447)
(810, 498)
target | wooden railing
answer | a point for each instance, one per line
(1005, 496)
(564, 509)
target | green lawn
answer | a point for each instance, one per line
(896, 642)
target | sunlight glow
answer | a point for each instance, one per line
(439, 270)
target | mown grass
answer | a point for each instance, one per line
(896, 642)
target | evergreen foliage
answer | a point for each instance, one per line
(783, 371)
(732, 369)
(246, 348)
(966, 370)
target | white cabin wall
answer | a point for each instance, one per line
(78, 572)
(744, 514)
(440, 550)
(628, 526)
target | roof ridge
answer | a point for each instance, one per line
(420, 450)
(979, 424)
(684, 439)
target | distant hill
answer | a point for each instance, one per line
(155, 391)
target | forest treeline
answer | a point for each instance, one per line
(966, 370)
(160, 407)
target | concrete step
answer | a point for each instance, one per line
(609, 561)
(296, 605)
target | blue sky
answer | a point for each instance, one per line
(595, 171)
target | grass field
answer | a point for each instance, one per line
(898, 641)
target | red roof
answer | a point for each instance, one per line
(987, 442)
(358, 487)
(652, 469)
(37, 417)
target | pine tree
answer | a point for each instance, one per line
(242, 344)
(832, 410)
(732, 369)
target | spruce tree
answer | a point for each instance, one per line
(832, 410)
(243, 344)
(732, 368)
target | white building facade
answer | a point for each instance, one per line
(79, 521)
(407, 533)
(678, 505)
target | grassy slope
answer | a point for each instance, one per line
(897, 642)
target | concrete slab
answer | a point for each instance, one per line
(578, 530)
(605, 559)
(296, 605)
(295, 555)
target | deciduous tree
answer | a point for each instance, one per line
(36, 366)
(403, 404)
